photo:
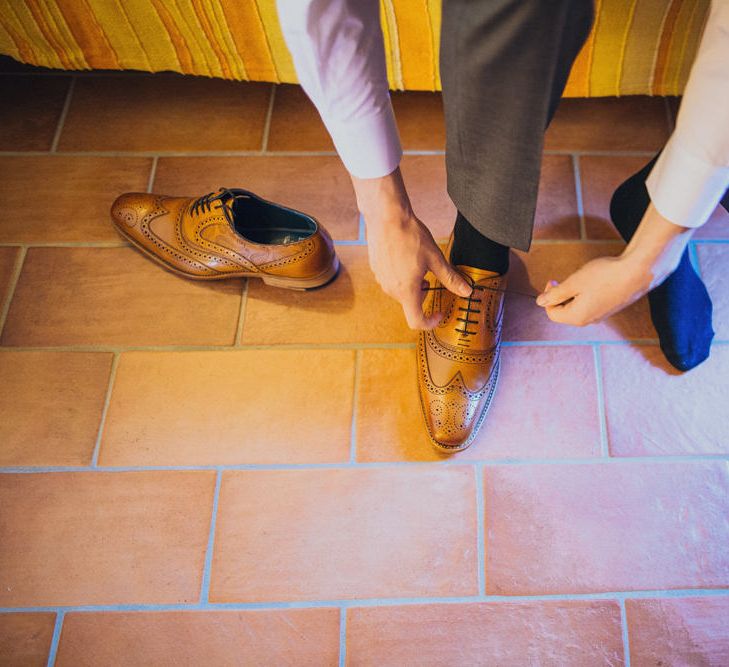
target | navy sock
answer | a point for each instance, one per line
(680, 306)
(471, 248)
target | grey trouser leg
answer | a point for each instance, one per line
(503, 66)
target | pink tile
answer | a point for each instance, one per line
(345, 533)
(524, 320)
(654, 410)
(575, 632)
(585, 528)
(76, 538)
(679, 631)
(267, 406)
(556, 215)
(25, 639)
(261, 637)
(545, 407)
(714, 259)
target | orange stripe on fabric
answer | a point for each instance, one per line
(684, 47)
(24, 47)
(664, 48)
(693, 40)
(89, 34)
(624, 45)
(178, 41)
(212, 39)
(416, 47)
(51, 38)
(262, 24)
(578, 83)
(249, 39)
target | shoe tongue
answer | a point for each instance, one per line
(475, 274)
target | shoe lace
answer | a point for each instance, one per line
(204, 204)
(470, 300)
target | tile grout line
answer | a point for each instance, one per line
(355, 412)
(348, 603)
(267, 122)
(205, 586)
(480, 529)
(362, 236)
(624, 627)
(688, 459)
(53, 650)
(62, 117)
(12, 286)
(342, 636)
(578, 194)
(241, 314)
(105, 410)
(601, 410)
(152, 174)
(290, 153)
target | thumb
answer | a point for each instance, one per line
(448, 276)
(554, 294)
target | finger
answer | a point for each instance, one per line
(448, 276)
(557, 294)
(413, 308)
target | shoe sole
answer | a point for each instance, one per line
(300, 284)
(452, 450)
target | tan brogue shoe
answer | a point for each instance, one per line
(229, 234)
(458, 361)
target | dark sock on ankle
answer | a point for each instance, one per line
(472, 248)
(680, 306)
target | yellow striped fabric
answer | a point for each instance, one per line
(636, 46)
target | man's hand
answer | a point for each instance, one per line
(402, 249)
(606, 285)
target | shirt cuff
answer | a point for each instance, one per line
(368, 146)
(684, 188)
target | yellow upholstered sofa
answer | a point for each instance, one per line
(636, 46)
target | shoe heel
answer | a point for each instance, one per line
(304, 283)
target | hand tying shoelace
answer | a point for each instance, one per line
(491, 289)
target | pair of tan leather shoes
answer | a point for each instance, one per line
(236, 234)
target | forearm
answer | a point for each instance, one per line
(382, 200)
(656, 247)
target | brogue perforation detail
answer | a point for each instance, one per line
(291, 259)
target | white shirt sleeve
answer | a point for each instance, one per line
(692, 173)
(339, 56)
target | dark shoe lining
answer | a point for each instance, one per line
(265, 223)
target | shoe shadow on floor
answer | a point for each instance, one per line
(335, 297)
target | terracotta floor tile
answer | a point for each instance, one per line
(420, 119)
(683, 413)
(716, 227)
(25, 639)
(600, 176)
(165, 112)
(30, 111)
(381, 532)
(352, 309)
(425, 180)
(58, 198)
(584, 632)
(522, 422)
(679, 631)
(104, 538)
(163, 412)
(115, 296)
(295, 123)
(530, 272)
(633, 123)
(8, 258)
(318, 185)
(280, 637)
(588, 528)
(713, 261)
(52, 402)
(556, 216)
